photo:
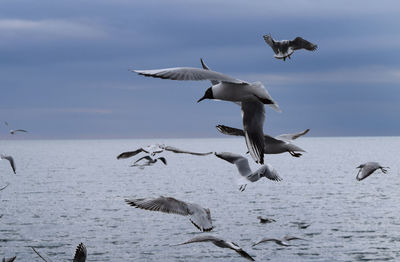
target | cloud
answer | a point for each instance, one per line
(48, 29)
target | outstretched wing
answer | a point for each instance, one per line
(162, 204)
(129, 154)
(300, 43)
(230, 130)
(241, 162)
(293, 136)
(80, 253)
(253, 114)
(20, 130)
(188, 73)
(265, 171)
(270, 41)
(180, 151)
(11, 160)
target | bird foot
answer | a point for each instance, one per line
(295, 154)
(242, 187)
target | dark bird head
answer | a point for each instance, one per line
(207, 95)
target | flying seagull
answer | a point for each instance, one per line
(251, 96)
(302, 225)
(160, 148)
(369, 168)
(199, 216)
(282, 242)
(219, 243)
(148, 161)
(243, 167)
(284, 49)
(12, 131)
(11, 259)
(272, 145)
(11, 160)
(265, 220)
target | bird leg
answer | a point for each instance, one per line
(384, 169)
(242, 187)
(294, 154)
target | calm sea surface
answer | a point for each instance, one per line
(71, 191)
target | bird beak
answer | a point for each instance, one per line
(201, 99)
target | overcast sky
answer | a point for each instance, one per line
(64, 66)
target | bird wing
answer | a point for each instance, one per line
(37, 253)
(300, 43)
(11, 160)
(265, 171)
(162, 204)
(180, 151)
(244, 254)
(148, 158)
(205, 67)
(80, 253)
(6, 123)
(4, 187)
(253, 114)
(289, 137)
(241, 162)
(200, 217)
(208, 238)
(129, 154)
(20, 130)
(163, 160)
(230, 130)
(270, 41)
(367, 170)
(188, 73)
(11, 259)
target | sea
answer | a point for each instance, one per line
(70, 191)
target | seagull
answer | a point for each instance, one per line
(219, 243)
(243, 167)
(272, 145)
(284, 49)
(369, 168)
(10, 159)
(148, 161)
(80, 254)
(251, 96)
(11, 259)
(282, 242)
(266, 220)
(12, 132)
(160, 148)
(199, 216)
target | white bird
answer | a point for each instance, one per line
(80, 254)
(159, 149)
(243, 167)
(272, 145)
(12, 131)
(369, 168)
(11, 259)
(199, 216)
(251, 96)
(219, 243)
(148, 161)
(11, 160)
(284, 49)
(282, 242)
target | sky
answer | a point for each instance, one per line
(64, 66)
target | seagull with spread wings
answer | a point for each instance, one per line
(199, 216)
(148, 161)
(251, 96)
(246, 175)
(368, 168)
(285, 48)
(12, 131)
(156, 149)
